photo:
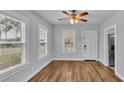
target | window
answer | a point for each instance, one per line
(69, 41)
(42, 49)
(11, 41)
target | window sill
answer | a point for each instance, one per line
(12, 70)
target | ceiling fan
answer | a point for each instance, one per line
(74, 17)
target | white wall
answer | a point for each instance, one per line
(34, 64)
(118, 19)
(58, 40)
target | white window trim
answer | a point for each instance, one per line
(46, 35)
(73, 50)
(22, 42)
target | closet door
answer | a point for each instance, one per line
(89, 45)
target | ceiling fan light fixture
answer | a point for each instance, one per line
(75, 17)
(76, 21)
(72, 21)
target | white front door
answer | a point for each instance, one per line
(89, 45)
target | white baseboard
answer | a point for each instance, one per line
(116, 73)
(102, 62)
(66, 59)
(80, 59)
(73, 59)
(119, 75)
(35, 72)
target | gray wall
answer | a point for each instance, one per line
(55, 43)
(118, 19)
(34, 64)
(58, 40)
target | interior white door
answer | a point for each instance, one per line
(89, 45)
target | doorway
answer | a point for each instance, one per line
(111, 51)
(110, 47)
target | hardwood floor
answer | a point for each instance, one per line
(75, 71)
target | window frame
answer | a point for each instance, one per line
(73, 49)
(22, 42)
(46, 41)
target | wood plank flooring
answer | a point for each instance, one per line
(75, 71)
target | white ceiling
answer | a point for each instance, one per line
(94, 17)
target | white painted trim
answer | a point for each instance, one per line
(63, 42)
(116, 73)
(13, 71)
(74, 59)
(35, 72)
(24, 21)
(120, 76)
(67, 59)
(106, 45)
(11, 42)
(101, 61)
(46, 41)
(96, 44)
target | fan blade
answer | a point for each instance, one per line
(63, 19)
(83, 20)
(66, 13)
(83, 14)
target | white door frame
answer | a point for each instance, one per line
(96, 46)
(106, 32)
